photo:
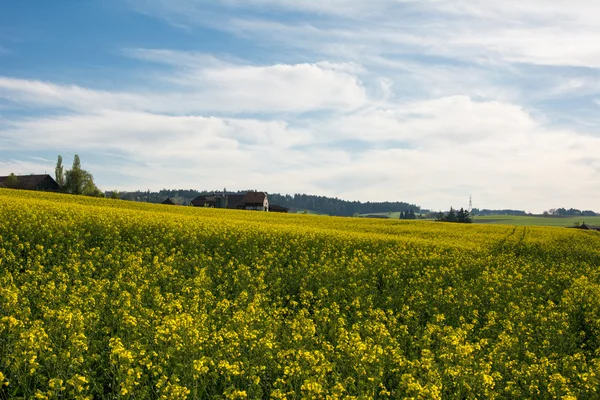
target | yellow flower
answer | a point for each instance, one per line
(3, 381)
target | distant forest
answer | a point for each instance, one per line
(335, 206)
(485, 211)
(297, 202)
(555, 212)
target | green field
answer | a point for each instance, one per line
(535, 220)
(519, 220)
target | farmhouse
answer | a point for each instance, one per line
(213, 201)
(30, 182)
(257, 201)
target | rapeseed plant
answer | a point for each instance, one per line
(110, 299)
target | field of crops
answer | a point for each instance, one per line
(108, 299)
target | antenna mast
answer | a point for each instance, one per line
(470, 204)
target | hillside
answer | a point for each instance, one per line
(104, 298)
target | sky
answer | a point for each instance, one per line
(423, 101)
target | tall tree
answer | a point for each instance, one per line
(59, 172)
(451, 217)
(75, 177)
(76, 162)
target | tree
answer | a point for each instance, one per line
(89, 187)
(451, 217)
(59, 173)
(401, 214)
(74, 179)
(79, 181)
(412, 215)
(12, 181)
(463, 216)
(114, 195)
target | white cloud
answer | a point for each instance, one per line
(150, 136)
(287, 88)
(46, 94)
(536, 31)
(433, 123)
(206, 84)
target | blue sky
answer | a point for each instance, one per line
(419, 101)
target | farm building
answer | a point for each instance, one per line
(258, 201)
(213, 201)
(168, 202)
(586, 227)
(30, 182)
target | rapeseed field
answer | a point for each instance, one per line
(104, 299)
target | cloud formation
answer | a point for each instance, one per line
(538, 31)
(213, 86)
(430, 152)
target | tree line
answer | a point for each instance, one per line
(486, 211)
(338, 207)
(572, 212)
(560, 212)
(296, 202)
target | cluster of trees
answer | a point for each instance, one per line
(338, 207)
(556, 212)
(297, 202)
(461, 216)
(76, 180)
(408, 215)
(571, 212)
(485, 211)
(181, 197)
